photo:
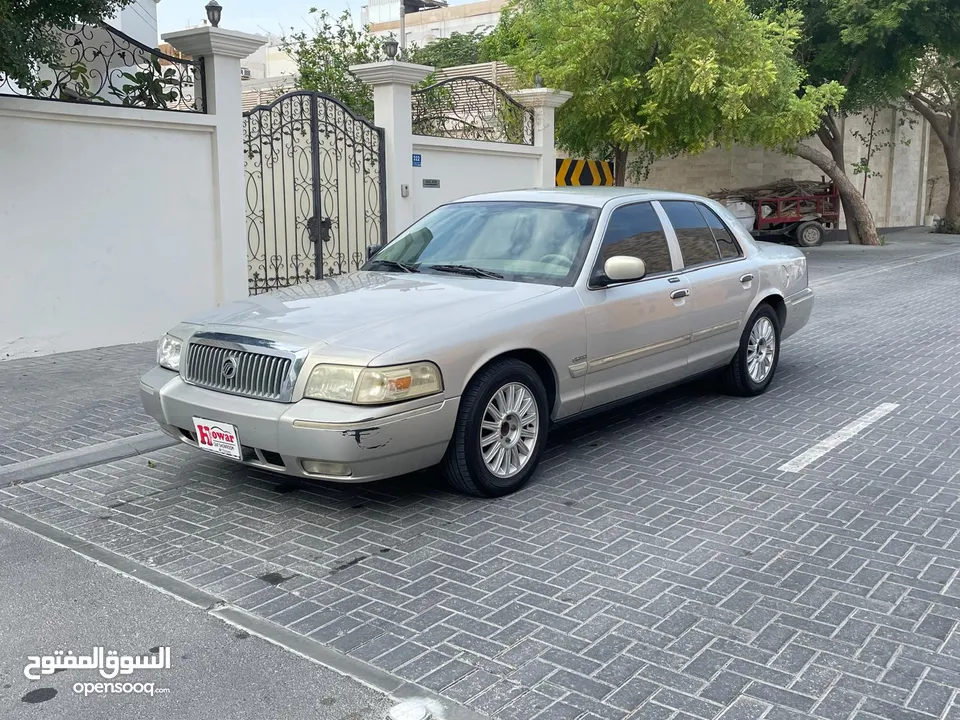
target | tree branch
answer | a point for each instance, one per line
(854, 67)
(937, 122)
(821, 160)
(831, 123)
(825, 137)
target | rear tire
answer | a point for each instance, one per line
(500, 433)
(752, 369)
(809, 234)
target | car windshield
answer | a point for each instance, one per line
(521, 241)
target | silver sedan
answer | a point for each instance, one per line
(463, 340)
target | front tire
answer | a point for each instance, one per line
(752, 369)
(500, 433)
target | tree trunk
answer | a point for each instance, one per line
(831, 136)
(947, 127)
(952, 215)
(854, 206)
(619, 167)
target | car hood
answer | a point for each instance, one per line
(370, 311)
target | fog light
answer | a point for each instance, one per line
(319, 467)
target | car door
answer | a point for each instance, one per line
(637, 332)
(722, 282)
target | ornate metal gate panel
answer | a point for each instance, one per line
(315, 189)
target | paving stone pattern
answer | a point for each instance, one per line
(659, 566)
(69, 400)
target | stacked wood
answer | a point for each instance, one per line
(781, 188)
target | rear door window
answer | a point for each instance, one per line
(729, 248)
(696, 240)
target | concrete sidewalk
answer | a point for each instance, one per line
(55, 600)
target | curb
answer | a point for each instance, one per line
(69, 460)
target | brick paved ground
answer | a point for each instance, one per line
(61, 402)
(660, 566)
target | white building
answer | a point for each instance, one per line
(139, 21)
(383, 17)
(269, 61)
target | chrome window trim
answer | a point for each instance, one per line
(694, 268)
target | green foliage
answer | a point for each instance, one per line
(665, 76)
(869, 46)
(324, 56)
(947, 226)
(29, 34)
(325, 53)
(458, 49)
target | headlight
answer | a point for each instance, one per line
(168, 352)
(373, 386)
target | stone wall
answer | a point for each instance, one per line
(895, 195)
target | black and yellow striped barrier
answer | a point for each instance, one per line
(584, 172)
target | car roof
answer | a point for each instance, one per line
(591, 196)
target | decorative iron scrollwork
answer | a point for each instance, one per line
(102, 65)
(315, 190)
(471, 108)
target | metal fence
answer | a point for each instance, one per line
(101, 65)
(315, 179)
(471, 108)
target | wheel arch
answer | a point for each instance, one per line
(534, 358)
(777, 302)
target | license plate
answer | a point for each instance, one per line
(217, 437)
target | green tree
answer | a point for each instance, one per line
(936, 96)
(664, 77)
(457, 49)
(870, 47)
(325, 53)
(30, 32)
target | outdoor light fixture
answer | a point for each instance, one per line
(538, 80)
(390, 46)
(409, 710)
(213, 12)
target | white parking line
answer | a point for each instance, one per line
(838, 438)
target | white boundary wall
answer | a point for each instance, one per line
(106, 224)
(469, 167)
(116, 223)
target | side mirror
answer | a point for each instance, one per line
(621, 268)
(373, 250)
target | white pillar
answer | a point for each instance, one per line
(392, 81)
(222, 51)
(544, 102)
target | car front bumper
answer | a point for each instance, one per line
(372, 442)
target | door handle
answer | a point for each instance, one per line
(746, 278)
(681, 293)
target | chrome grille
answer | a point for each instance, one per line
(256, 375)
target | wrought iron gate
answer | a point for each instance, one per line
(315, 189)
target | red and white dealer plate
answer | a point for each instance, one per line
(217, 437)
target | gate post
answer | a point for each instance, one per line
(392, 81)
(544, 102)
(222, 51)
